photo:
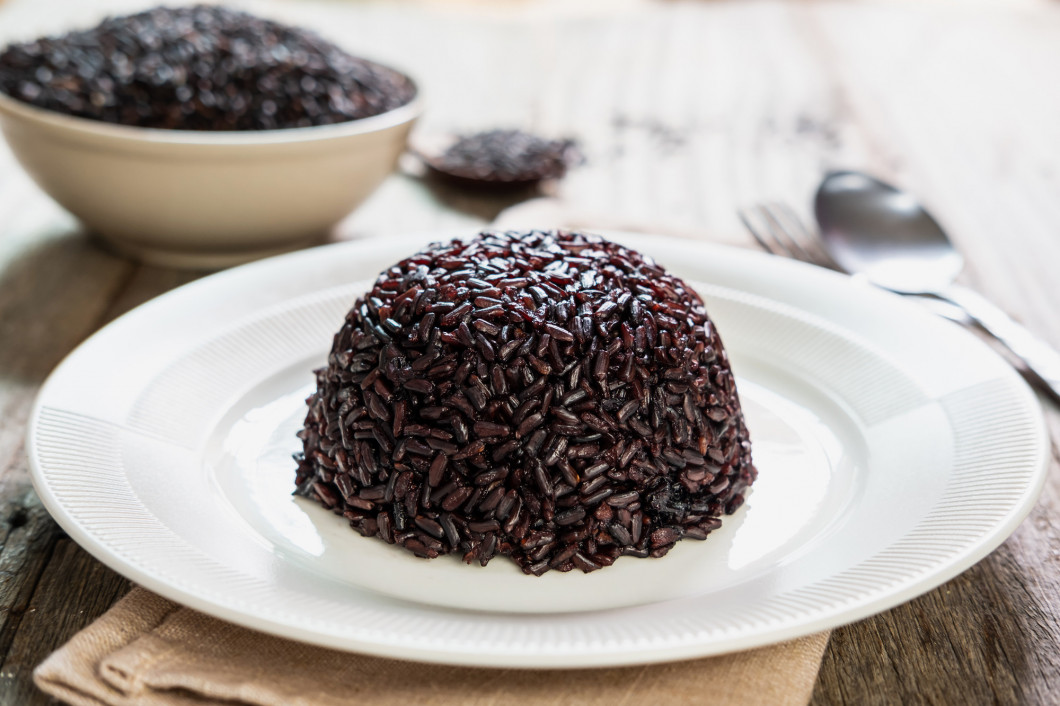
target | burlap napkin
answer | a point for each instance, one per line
(149, 651)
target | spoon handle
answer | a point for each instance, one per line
(1041, 359)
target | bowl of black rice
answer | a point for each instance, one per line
(203, 136)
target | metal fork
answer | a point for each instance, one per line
(778, 230)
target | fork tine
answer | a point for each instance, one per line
(748, 223)
(795, 229)
(770, 234)
(778, 221)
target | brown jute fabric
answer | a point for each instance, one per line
(149, 651)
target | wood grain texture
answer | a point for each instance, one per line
(685, 111)
(74, 590)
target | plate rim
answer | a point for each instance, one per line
(859, 609)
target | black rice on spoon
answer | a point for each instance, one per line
(552, 397)
(502, 158)
(201, 67)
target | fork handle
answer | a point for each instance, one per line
(1041, 359)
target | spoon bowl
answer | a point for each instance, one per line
(871, 227)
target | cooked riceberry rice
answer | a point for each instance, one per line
(199, 67)
(547, 396)
(504, 157)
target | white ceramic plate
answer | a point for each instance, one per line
(894, 451)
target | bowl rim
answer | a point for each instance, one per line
(13, 107)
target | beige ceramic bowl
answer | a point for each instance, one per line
(205, 199)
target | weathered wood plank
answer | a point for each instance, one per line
(27, 535)
(74, 590)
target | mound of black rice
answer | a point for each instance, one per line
(551, 397)
(201, 67)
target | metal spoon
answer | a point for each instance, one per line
(871, 228)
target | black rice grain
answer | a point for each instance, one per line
(611, 428)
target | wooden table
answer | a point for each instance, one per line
(685, 111)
